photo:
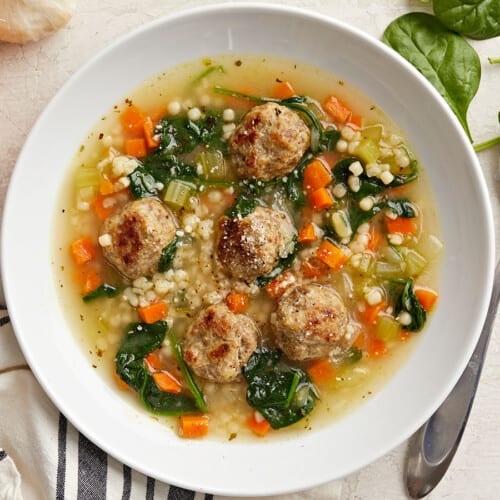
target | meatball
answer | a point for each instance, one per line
(139, 232)
(310, 322)
(249, 247)
(219, 343)
(269, 142)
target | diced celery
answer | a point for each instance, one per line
(87, 177)
(391, 255)
(373, 132)
(430, 247)
(368, 150)
(351, 376)
(415, 263)
(341, 224)
(178, 193)
(213, 164)
(388, 270)
(387, 328)
(366, 263)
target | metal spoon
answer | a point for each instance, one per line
(434, 445)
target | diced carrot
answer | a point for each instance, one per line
(193, 426)
(370, 313)
(337, 109)
(426, 297)
(149, 128)
(153, 312)
(375, 239)
(166, 382)
(237, 302)
(106, 187)
(313, 268)
(283, 90)
(320, 199)
(103, 207)
(153, 362)
(83, 250)
(377, 347)
(307, 233)
(277, 287)
(120, 383)
(403, 225)
(321, 372)
(355, 122)
(316, 175)
(90, 279)
(157, 115)
(131, 119)
(258, 426)
(136, 147)
(331, 255)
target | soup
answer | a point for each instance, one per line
(247, 245)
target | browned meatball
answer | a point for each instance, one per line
(139, 232)
(310, 322)
(249, 247)
(269, 142)
(219, 343)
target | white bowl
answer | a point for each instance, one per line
(253, 468)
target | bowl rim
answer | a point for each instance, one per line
(251, 7)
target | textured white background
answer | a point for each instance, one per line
(31, 75)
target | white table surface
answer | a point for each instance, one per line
(31, 75)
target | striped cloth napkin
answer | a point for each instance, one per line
(42, 456)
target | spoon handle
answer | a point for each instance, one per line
(433, 447)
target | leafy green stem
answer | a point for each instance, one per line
(191, 383)
(494, 60)
(486, 144)
(295, 103)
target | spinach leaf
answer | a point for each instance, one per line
(142, 183)
(443, 57)
(283, 395)
(479, 19)
(357, 216)
(165, 403)
(199, 397)
(139, 340)
(179, 136)
(283, 264)
(104, 290)
(402, 208)
(244, 205)
(168, 255)
(407, 301)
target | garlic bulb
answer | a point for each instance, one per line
(23, 21)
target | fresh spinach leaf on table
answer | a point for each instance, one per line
(443, 57)
(479, 19)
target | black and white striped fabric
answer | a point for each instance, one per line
(42, 456)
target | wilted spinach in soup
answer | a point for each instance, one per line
(253, 241)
